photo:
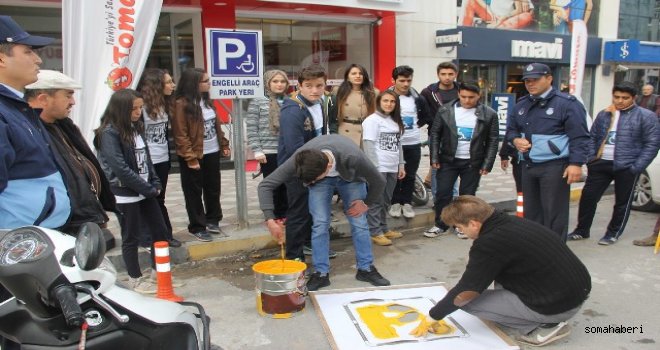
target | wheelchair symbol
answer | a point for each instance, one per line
(247, 66)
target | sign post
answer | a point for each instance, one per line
(235, 68)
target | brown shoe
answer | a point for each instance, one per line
(646, 242)
(381, 240)
(393, 234)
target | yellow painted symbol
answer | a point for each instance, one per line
(383, 320)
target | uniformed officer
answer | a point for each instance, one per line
(549, 129)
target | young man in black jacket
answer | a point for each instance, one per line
(463, 143)
(539, 282)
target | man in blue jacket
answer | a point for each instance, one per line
(624, 141)
(32, 191)
(549, 129)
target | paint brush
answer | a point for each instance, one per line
(282, 254)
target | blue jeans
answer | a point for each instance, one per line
(320, 201)
(434, 184)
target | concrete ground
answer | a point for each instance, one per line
(625, 282)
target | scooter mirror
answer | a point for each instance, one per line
(90, 246)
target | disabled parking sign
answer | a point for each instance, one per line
(235, 63)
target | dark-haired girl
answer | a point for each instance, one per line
(199, 142)
(156, 86)
(356, 99)
(382, 144)
(126, 162)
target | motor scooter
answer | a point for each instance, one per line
(64, 295)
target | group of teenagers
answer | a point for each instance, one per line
(547, 142)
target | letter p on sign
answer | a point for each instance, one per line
(229, 48)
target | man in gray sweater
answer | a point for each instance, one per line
(325, 164)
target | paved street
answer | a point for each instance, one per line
(625, 287)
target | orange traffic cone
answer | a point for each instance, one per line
(164, 275)
(519, 206)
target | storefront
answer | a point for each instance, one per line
(635, 61)
(295, 33)
(495, 58)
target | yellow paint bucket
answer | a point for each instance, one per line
(280, 287)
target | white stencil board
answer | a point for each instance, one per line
(344, 335)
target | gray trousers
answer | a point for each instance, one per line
(504, 307)
(377, 214)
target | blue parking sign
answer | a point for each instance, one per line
(235, 53)
(235, 63)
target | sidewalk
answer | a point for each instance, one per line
(496, 188)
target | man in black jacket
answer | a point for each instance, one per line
(87, 186)
(539, 282)
(463, 143)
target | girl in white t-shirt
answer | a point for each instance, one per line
(381, 136)
(156, 87)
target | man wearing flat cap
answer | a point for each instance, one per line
(86, 183)
(32, 191)
(549, 130)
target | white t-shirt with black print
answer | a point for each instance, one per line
(610, 138)
(143, 169)
(384, 132)
(155, 133)
(210, 134)
(409, 116)
(466, 120)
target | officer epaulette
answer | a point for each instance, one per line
(566, 96)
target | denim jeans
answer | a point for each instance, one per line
(434, 184)
(320, 201)
(446, 178)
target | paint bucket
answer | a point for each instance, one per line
(280, 287)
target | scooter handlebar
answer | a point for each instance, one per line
(66, 297)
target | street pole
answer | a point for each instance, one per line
(239, 164)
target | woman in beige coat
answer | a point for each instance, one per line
(356, 100)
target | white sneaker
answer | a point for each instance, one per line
(434, 231)
(461, 235)
(408, 211)
(142, 285)
(395, 210)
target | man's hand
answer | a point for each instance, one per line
(357, 208)
(194, 166)
(261, 158)
(435, 165)
(573, 173)
(521, 144)
(483, 172)
(276, 229)
(402, 173)
(427, 324)
(504, 164)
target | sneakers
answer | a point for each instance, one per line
(576, 236)
(646, 242)
(408, 211)
(461, 235)
(372, 276)
(381, 240)
(395, 210)
(142, 285)
(211, 228)
(434, 231)
(307, 250)
(318, 280)
(545, 335)
(393, 234)
(606, 240)
(174, 243)
(202, 236)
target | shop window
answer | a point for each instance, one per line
(485, 75)
(290, 45)
(638, 19)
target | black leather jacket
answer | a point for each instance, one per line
(120, 166)
(444, 137)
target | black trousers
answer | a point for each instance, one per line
(546, 195)
(163, 172)
(601, 174)
(298, 219)
(133, 217)
(445, 178)
(405, 187)
(201, 192)
(517, 174)
(279, 195)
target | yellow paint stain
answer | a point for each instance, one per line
(279, 267)
(381, 319)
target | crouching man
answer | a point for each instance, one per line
(539, 282)
(325, 164)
